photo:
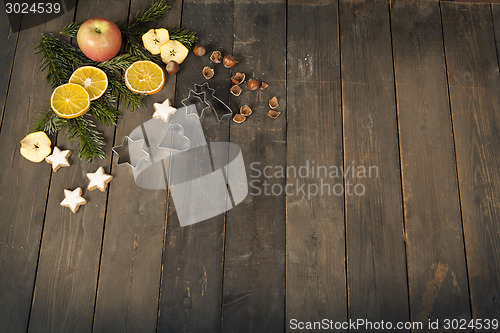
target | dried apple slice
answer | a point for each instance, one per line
(155, 38)
(36, 146)
(173, 50)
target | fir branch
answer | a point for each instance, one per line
(91, 140)
(134, 46)
(154, 13)
(126, 97)
(47, 122)
(104, 111)
(117, 65)
(186, 37)
(57, 59)
(71, 29)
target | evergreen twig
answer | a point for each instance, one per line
(186, 37)
(126, 97)
(154, 13)
(104, 111)
(71, 29)
(91, 140)
(46, 122)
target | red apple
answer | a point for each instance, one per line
(99, 39)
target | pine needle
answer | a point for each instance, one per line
(71, 29)
(46, 122)
(186, 37)
(154, 13)
(91, 140)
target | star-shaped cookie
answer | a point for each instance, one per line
(163, 110)
(99, 180)
(73, 199)
(58, 159)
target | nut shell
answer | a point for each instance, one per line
(229, 61)
(199, 50)
(208, 72)
(245, 110)
(216, 57)
(238, 78)
(263, 85)
(239, 118)
(273, 114)
(235, 90)
(273, 103)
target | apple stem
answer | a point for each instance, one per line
(97, 30)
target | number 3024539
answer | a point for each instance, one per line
(36, 8)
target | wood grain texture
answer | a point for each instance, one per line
(375, 249)
(23, 185)
(254, 266)
(475, 103)
(495, 12)
(129, 279)
(192, 263)
(434, 238)
(71, 243)
(8, 39)
(315, 235)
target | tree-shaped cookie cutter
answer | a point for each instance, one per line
(209, 101)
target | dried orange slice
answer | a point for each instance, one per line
(70, 100)
(93, 79)
(144, 77)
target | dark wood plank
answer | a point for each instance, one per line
(315, 235)
(68, 266)
(9, 43)
(374, 221)
(23, 185)
(434, 240)
(129, 278)
(473, 1)
(475, 102)
(254, 266)
(192, 263)
(495, 12)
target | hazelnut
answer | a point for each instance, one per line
(245, 110)
(229, 61)
(273, 114)
(208, 72)
(235, 90)
(199, 50)
(172, 67)
(263, 85)
(238, 78)
(273, 103)
(253, 84)
(239, 118)
(216, 57)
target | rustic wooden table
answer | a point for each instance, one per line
(413, 89)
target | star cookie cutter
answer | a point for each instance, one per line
(131, 152)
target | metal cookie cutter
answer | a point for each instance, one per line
(209, 101)
(205, 179)
(131, 152)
